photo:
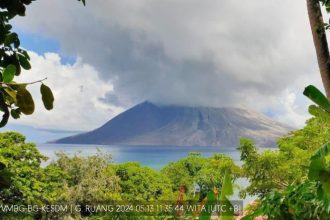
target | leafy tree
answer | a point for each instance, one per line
(88, 180)
(94, 180)
(30, 183)
(213, 171)
(319, 168)
(216, 197)
(261, 169)
(143, 183)
(22, 159)
(308, 197)
(297, 201)
(15, 98)
(276, 169)
(200, 175)
(183, 172)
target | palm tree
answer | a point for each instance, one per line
(320, 42)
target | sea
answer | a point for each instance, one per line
(152, 156)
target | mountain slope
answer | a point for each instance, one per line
(150, 124)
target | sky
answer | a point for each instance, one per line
(110, 55)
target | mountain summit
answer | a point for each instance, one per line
(151, 124)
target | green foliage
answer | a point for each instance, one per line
(14, 96)
(94, 180)
(70, 180)
(183, 172)
(208, 175)
(275, 169)
(227, 188)
(326, 25)
(297, 201)
(248, 150)
(316, 96)
(14, 8)
(213, 171)
(263, 170)
(319, 112)
(326, 3)
(226, 191)
(142, 183)
(205, 172)
(278, 177)
(213, 198)
(210, 201)
(309, 139)
(8, 73)
(87, 180)
(5, 177)
(319, 169)
(305, 196)
(30, 184)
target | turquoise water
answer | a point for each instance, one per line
(152, 156)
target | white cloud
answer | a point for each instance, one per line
(77, 89)
(252, 53)
(291, 114)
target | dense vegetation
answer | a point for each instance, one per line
(276, 169)
(293, 182)
(81, 181)
(281, 179)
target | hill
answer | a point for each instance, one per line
(151, 124)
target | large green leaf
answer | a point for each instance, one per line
(23, 60)
(24, 53)
(227, 211)
(316, 96)
(15, 113)
(12, 38)
(318, 162)
(9, 73)
(25, 101)
(4, 109)
(321, 152)
(47, 96)
(227, 186)
(226, 190)
(318, 170)
(211, 200)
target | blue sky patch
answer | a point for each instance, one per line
(42, 44)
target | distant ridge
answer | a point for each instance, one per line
(151, 124)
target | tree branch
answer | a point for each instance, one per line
(30, 83)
